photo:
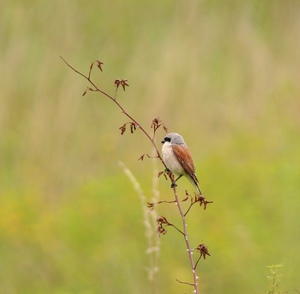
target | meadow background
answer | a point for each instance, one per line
(224, 74)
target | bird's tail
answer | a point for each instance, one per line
(198, 189)
(195, 183)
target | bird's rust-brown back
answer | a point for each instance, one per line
(184, 156)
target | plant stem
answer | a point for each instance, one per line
(187, 243)
(120, 107)
(182, 214)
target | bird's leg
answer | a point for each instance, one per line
(174, 183)
(178, 178)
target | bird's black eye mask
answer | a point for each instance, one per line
(166, 139)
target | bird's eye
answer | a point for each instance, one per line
(167, 139)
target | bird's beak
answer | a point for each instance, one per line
(163, 141)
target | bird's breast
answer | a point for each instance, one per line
(171, 160)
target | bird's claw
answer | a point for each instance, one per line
(173, 185)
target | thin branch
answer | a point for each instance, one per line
(119, 105)
(187, 211)
(188, 246)
(177, 229)
(197, 262)
(156, 123)
(186, 283)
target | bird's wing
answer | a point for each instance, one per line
(184, 156)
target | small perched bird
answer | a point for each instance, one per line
(178, 159)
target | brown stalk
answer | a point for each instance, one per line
(156, 123)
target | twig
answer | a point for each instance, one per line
(187, 243)
(186, 283)
(88, 78)
(156, 123)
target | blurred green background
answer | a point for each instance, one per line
(224, 74)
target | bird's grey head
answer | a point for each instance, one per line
(173, 138)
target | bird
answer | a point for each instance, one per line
(178, 159)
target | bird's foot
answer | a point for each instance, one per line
(173, 185)
(167, 170)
